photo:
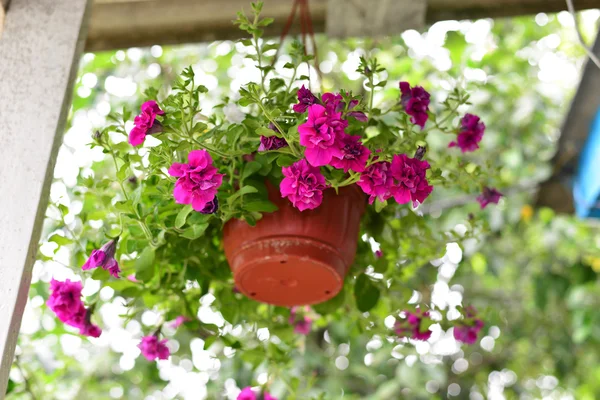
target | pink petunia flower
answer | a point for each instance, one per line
(467, 329)
(410, 180)
(198, 180)
(65, 302)
(489, 195)
(105, 258)
(303, 185)
(377, 181)
(145, 123)
(305, 99)
(415, 102)
(248, 394)
(65, 299)
(154, 349)
(470, 134)
(131, 278)
(379, 253)
(334, 104)
(354, 155)
(271, 142)
(411, 326)
(321, 135)
(302, 323)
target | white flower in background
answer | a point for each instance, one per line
(233, 113)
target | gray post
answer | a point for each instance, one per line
(39, 54)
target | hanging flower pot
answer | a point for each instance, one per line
(294, 257)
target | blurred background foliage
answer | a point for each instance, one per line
(536, 274)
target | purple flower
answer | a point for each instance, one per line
(305, 99)
(415, 102)
(65, 299)
(272, 142)
(471, 133)
(379, 253)
(334, 104)
(248, 394)
(467, 329)
(105, 258)
(303, 185)
(377, 181)
(198, 180)
(302, 323)
(321, 135)
(211, 207)
(82, 321)
(489, 195)
(145, 123)
(411, 180)
(411, 326)
(152, 348)
(354, 155)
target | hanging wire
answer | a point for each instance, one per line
(588, 51)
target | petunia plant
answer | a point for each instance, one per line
(178, 175)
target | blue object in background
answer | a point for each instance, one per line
(586, 188)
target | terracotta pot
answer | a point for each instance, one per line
(296, 258)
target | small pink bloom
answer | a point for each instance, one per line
(152, 348)
(467, 329)
(379, 254)
(302, 323)
(198, 180)
(105, 258)
(303, 185)
(248, 394)
(377, 181)
(409, 173)
(470, 134)
(411, 326)
(179, 321)
(416, 103)
(131, 278)
(354, 155)
(321, 135)
(305, 99)
(65, 299)
(145, 123)
(489, 195)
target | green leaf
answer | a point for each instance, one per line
(260, 206)
(250, 168)
(182, 216)
(247, 189)
(365, 293)
(194, 231)
(100, 274)
(60, 240)
(144, 265)
(266, 132)
(380, 205)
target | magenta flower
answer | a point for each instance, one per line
(145, 123)
(131, 278)
(321, 135)
(152, 348)
(105, 258)
(272, 142)
(211, 207)
(377, 181)
(468, 328)
(198, 180)
(409, 173)
(379, 253)
(471, 133)
(411, 326)
(65, 299)
(305, 99)
(354, 155)
(302, 323)
(248, 394)
(415, 102)
(65, 302)
(303, 185)
(489, 195)
(177, 322)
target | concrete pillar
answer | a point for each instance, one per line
(39, 54)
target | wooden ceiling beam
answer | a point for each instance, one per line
(135, 23)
